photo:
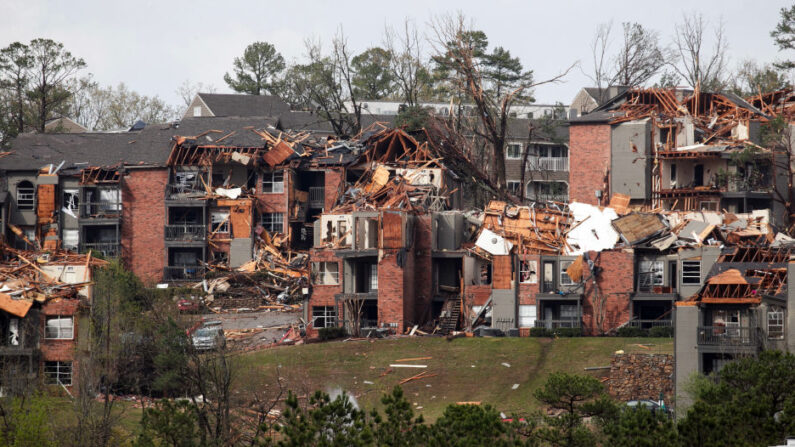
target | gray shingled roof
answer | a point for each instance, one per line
(150, 146)
(244, 105)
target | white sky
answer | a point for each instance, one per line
(153, 46)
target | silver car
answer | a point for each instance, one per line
(210, 335)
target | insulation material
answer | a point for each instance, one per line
(232, 193)
(493, 243)
(592, 230)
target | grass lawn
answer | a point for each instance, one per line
(468, 369)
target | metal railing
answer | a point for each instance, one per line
(550, 163)
(317, 196)
(186, 232)
(727, 336)
(180, 191)
(106, 249)
(183, 273)
(738, 184)
(100, 210)
(555, 324)
(646, 324)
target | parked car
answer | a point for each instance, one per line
(188, 306)
(208, 335)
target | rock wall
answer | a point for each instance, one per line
(641, 376)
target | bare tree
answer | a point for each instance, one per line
(600, 46)
(451, 43)
(693, 60)
(640, 56)
(188, 90)
(407, 64)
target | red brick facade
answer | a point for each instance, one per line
(143, 220)
(616, 283)
(53, 350)
(275, 202)
(589, 162)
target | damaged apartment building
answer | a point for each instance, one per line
(677, 150)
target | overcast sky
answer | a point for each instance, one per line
(153, 46)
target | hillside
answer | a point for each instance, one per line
(467, 369)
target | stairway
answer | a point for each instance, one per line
(451, 311)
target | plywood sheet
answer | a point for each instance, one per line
(502, 272)
(392, 234)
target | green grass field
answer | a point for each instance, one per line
(467, 369)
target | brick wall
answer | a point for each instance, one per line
(390, 291)
(274, 202)
(589, 162)
(615, 286)
(323, 295)
(333, 178)
(60, 350)
(143, 219)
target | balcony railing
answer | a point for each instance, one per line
(317, 197)
(186, 232)
(550, 164)
(100, 210)
(555, 324)
(727, 336)
(183, 273)
(106, 249)
(182, 191)
(646, 324)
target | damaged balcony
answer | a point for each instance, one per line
(186, 226)
(100, 204)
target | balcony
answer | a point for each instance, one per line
(183, 191)
(106, 249)
(317, 197)
(186, 233)
(100, 210)
(751, 183)
(728, 336)
(549, 164)
(556, 324)
(183, 273)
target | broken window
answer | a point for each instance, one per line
(775, 323)
(514, 187)
(59, 328)
(58, 373)
(273, 182)
(26, 195)
(565, 280)
(327, 273)
(71, 201)
(110, 199)
(528, 271)
(273, 222)
(485, 273)
(691, 272)
(219, 221)
(650, 274)
(323, 316)
(513, 151)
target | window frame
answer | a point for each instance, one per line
(779, 323)
(518, 186)
(562, 273)
(269, 224)
(688, 280)
(28, 202)
(529, 268)
(63, 369)
(222, 223)
(321, 270)
(270, 178)
(508, 147)
(61, 335)
(328, 314)
(656, 280)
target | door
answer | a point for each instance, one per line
(548, 317)
(698, 175)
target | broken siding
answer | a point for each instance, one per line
(502, 272)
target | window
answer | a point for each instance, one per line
(530, 115)
(527, 315)
(513, 151)
(197, 111)
(775, 323)
(58, 373)
(219, 221)
(25, 195)
(650, 273)
(326, 273)
(528, 272)
(71, 201)
(568, 312)
(273, 182)
(709, 205)
(513, 187)
(323, 316)
(71, 239)
(564, 277)
(59, 328)
(691, 272)
(373, 276)
(273, 222)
